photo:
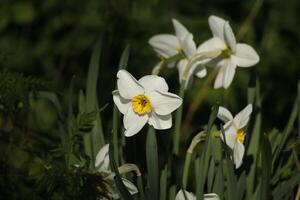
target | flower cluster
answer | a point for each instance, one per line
(226, 53)
(148, 99)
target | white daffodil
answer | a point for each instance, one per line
(144, 101)
(191, 196)
(233, 54)
(168, 45)
(234, 132)
(107, 187)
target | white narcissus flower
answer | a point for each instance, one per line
(107, 186)
(191, 196)
(144, 101)
(234, 132)
(168, 45)
(234, 54)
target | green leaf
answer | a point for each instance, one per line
(241, 186)
(124, 193)
(266, 156)
(286, 187)
(231, 180)
(124, 58)
(152, 165)
(203, 163)
(122, 65)
(287, 130)
(96, 138)
(253, 148)
(163, 183)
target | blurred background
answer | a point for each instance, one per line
(43, 44)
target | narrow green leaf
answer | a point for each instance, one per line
(124, 193)
(172, 192)
(287, 130)
(231, 180)
(122, 65)
(211, 174)
(241, 186)
(178, 119)
(255, 134)
(203, 164)
(218, 186)
(286, 187)
(97, 136)
(163, 183)
(124, 58)
(152, 165)
(266, 156)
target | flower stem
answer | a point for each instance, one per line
(115, 133)
(186, 169)
(176, 138)
(197, 138)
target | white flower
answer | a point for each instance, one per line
(144, 101)
(107, 177)
(234, 54)
(234, 133)
(168, 45)
(191, 196)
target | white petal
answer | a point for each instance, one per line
(212, 44)
(189, 195)
(154, 82)
(245, 55)
(224, 114)
(230, 135)
(128, 86)
(130, 186)
(163, 103)
(188, 46)
(226, 74)
(160, 122)
(133, 122)
(166, 45)
(229, 37)
(211, 196)
(102, 159)
(238, 154)
(216, 25)
(180, 30)
(242, 118)
(121, 103)
(201, 72)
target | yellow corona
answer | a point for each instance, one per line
(141, 104)
(240, 135)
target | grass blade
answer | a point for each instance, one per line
(266, 157)
(163, 184)
(202, 165)
(96, 137)
(152, 165)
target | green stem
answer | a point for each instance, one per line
(186, 169)
(115, 133)
(176, 138)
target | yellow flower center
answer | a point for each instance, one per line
(240, 135)
(141, 104)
